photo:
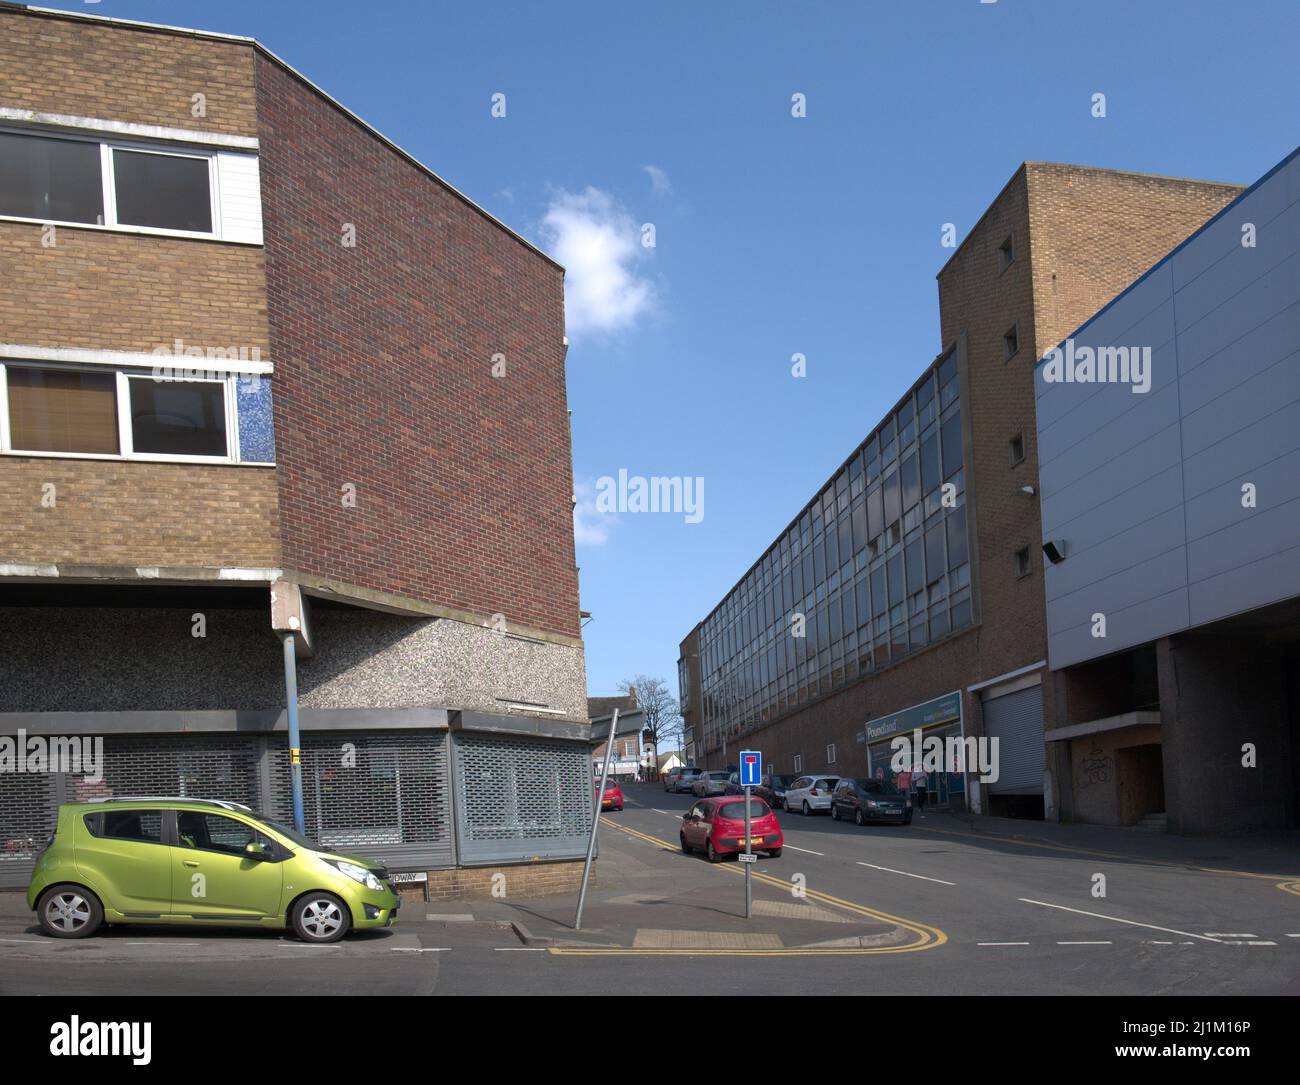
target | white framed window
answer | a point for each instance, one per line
(798, 764)
(830, 753)
(172, 190)
(115, 414)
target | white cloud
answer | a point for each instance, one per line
(659, 183)
(590, 527)
(599, 245)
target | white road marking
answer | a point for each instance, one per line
(905, 874)
(806, 851)
(1215, 934)
(519, 949)
(28, 941)
(420, 949)
(1293, 935)
(1085, 943)
(1261, 943)
(1002, 943)
(1116, 919)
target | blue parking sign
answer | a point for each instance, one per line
(751, 768)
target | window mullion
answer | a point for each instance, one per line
(5, 445)
(125, 442)
(110, 188)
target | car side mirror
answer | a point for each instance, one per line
(257, 850)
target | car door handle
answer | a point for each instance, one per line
(190, 862)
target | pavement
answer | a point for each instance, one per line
(950, 904)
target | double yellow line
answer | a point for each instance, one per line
(927, 937)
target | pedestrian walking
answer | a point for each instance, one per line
(921, 781)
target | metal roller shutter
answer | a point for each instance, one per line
(519, 799)
(1016, 721)
(27, 815)
(383, 795)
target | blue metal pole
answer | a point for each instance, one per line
(295, 742)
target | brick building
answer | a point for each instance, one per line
(276, 398)
(915, 574)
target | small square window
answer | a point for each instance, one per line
(1006, 253)
(1011, 342)
(1023, 567)
(830, 753)
(1017, 449)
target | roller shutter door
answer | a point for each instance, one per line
(381, 795)
(1016, 721)
(519, 799)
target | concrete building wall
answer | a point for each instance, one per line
(70, 659)
(1145, 489)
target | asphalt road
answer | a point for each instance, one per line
(1006, 917)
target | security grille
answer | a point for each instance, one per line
(27, 813)
(521, 799)
(383, 795)
(196, 766)
(1016, 721)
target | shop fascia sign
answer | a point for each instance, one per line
(945, 709)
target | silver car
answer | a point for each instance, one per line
(679, 780)
(710, 783)
(808, 794)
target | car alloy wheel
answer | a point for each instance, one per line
(835, 812)
(320, 917)
(806, 810)
(858, 819)
(68, 911)
(685, 846)
(714, 855)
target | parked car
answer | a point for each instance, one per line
(713, 782)
(613, 798)
(140, 861)
(716, 826)
(810, 793)
(866, 800)
(773, 789)
(680, 779)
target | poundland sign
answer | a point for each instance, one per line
(945, 709)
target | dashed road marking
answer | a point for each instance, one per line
(806, 851)
(1214, 934)
(1002, 943)
(905, 874)
(1085, 943)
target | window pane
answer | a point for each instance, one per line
(178, 418)
(50, 179)
(929, 464)
(162, 190)
(957, 537)
(951, 437)
(62, 410)
(911, 477)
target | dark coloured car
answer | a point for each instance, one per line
(866, 800)
(773, 789)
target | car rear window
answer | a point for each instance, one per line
(735, 811)
(142, 825)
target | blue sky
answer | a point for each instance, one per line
(773, 235)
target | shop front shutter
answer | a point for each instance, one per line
(382, 795)
(1016, 721)
(520, 799)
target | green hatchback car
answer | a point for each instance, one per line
(199, 862)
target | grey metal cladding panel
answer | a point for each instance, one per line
(1223, 236)
(1256, 350)
(1245, 587)
(1237, 461)
(1160, 535)
(1277, 480)
(1239, 271)
(1099, 495)
(1269, 299)
(1066, 420)
(1257, 534)
(1115, 423)
(1242, 409)
(1123, 592)
(1125, 628)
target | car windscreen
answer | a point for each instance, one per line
(877, 787)
(719, 776)
(780, 781)
(735, 811)
(291, 834)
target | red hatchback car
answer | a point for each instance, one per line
(613, 795)
(716, 826)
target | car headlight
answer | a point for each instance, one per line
(872, 803)
(356, 873)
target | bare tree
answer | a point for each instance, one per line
(663, 719)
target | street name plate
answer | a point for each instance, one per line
(747, 858)
(414, 877)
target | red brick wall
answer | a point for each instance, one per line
(384, 379)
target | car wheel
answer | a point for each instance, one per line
(714, 855)
(835, 812)
(321, 918)
(858, 819)
(68, 911)
(619, 808)
(686, 848)
(774, 853)
(806, 811)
